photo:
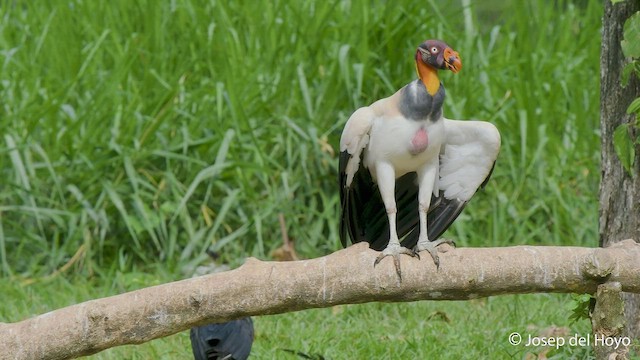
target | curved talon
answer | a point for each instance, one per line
(447, 241)
(431, 247)
(395, 251)
(434, 255)
(396, 263)
(378, 259)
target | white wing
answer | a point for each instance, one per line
(355, 138)
(467, 157)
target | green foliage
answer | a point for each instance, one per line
(630, 44)
(624, 147)
(580, 307)
(624, 142)
(633, 67)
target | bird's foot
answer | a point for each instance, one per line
(431, 247)
(395, 250)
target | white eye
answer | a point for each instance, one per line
(434, 49)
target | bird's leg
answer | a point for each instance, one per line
(386, 179)
(427, 186)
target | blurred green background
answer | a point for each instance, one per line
(137, 134)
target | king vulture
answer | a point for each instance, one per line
(405, 171)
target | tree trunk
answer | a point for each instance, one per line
(619, 192)
(608, 321)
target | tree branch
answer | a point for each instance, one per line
(344, 277)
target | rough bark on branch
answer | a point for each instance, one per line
(344, 277)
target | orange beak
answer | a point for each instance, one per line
(452, 60)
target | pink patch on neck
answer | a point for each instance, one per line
(420, 142)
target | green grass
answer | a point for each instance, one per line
(426, 329)
(135, 134)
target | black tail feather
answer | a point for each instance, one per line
(229, 340)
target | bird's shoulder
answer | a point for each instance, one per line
(357, 128)
(359, 123)
(388, 107)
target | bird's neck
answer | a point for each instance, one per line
(429, 76)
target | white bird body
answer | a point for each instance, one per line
(401, 150)
(384, 135)
(388, 133)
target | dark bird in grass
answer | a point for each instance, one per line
(226, 341)
(406, 172)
